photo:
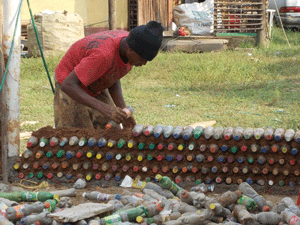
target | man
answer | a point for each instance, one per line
(88, 89)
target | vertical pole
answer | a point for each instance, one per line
(262, 34)
(10, 94)
(112, 14)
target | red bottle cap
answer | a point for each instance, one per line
(78, 154)
(135, 168)
(159, 157)
(265, 171)
(271, 161)
(177, 180)
(160, 146)
(227, 137)
(292, 162)
(170, 147)
(147, 132)
(244, 148)
(21, 175)
(266, 208)
(98, 176)
(194, 169)
(165, 169)
(154, 169)
(49, 175)
(210, 158)
(52, 143)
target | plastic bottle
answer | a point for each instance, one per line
(129, 112)
(228, 132)
(137, 130)
(102, 142)
(258, 133)
(27, 154)
(133, 213)
(278, 134)
(114, 219)
(154, 194)
(148, 130)
(39, 154)
(187, 133)
(292, 206)
(177, 132)
(167, 131)
(192, 146)
(248, 133)
(82, 141)
(158, 219)
(247, 201)
(197, 132)
(167, 183)
(229, 197)
(208, 132)
(158, 130)
(35, 196)
(73, 141)
(218, 133)
(41, 218)
(289, 135)
(63, 141)
(98, 196)
(32, 142)
(61, 153)
(297, 136)
(243, 216)
(166, 193)
(238, 133)
(268, 134)
(4, 220)
(17, 212)
(154, 209)
(267, 218)
(111, 143)
(219, 210)
(290, 217)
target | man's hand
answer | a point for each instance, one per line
(129, 123)
(117, 115)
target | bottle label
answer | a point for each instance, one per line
(113, 219)
(102, 197)
(31, 196)
(293, 220)
(19, 211)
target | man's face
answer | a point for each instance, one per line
(136, 60)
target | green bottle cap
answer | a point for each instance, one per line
(281, 183)
(233, 149)
(250, 160)
(141, 146)
(148, 179)
(31, 175)
(60, 153)
(198, 181)
(49, 154)
(152, 146)
(121, 143)
(149, 157)
(40, 175)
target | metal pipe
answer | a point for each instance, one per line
(10, 130)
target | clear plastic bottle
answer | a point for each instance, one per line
(297, 136)
(292, 206)
(166, 193)
(218, 133)
(258, 133)
(219, 210)
(73, 141)
(43, 142)
(228, 132)
(269, 134)
(208, 132)
(238, 133)
(279, 134)
(248, 133)
(167, 131)
(17, 212)
(137, 130)
(32, 142)
(229, 197)
(41, 218)
(158, 130)
(148, 130)
(188, 133)
(177, 132)
(267, 218)
(289, 135)
(4, 220)
(290, 217)
(53, 141)
(63, 141)
(82, 141)
(242, 214)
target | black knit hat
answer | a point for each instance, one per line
(146, 40)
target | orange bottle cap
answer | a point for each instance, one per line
(47, 204)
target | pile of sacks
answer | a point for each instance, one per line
(161, 202)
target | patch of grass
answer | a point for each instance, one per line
(248, 88)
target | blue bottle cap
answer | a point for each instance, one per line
(220, 159)
(240, 160)
(91, 143)
(169, 158)
(249, 180)
(264, 149)
(118, 196)
(69, 155)
(117, 178)
(236, 137)
(294, 151)
(100, 144)
(224, 148)
(277, 138)
(157, 135)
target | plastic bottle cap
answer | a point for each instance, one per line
(266, 208)
(47, 204)
(89, 154)
(130, 145)
(21, 175)
(158, 177)
(184, 169)
(140, 158)
(98, 176)
(212, 206)
(108, 126)
(151, 146)
(99, 156)
(244, 148)
(180, 147)
(139, 219)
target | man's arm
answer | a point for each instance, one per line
(116, 93)
(71, 86)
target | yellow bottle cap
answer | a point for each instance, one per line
(89, 154)
(158, 177)
(110, 144)
(140, 158)
(130, 145)
(212, 206)
(175, 170)
(176, 198)
(98, 156)
(180, 147)
(199, 211)
(139, 219)
(16, 166)
(88, 177)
